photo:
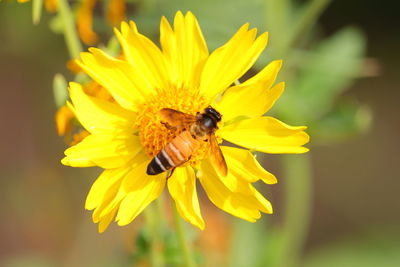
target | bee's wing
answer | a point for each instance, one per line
(217, 158)
(176, 118)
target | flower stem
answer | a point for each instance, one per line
(70, 34)
(37, 6)
(307, 18)
(180, 231)
(298, 183)
(154, 221)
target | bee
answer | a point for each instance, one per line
(201, 128)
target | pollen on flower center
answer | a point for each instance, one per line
(154, 135)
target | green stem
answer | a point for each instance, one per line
(298, 196)
(307, 18)
(180, 231)
(154, 221)
(71, 36)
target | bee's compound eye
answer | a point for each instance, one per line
(215, 114)
(208, 110)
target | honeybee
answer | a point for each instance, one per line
(180, 149)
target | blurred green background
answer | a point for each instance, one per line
(355, 208)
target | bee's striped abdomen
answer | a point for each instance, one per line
(173, 154)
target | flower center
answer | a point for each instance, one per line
(154, 135)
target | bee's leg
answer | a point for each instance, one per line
(170, 172)
(169, 127)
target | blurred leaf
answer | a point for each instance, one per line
(37, 6)
(172, 253)
(60, 90)
(346, 120)
(142, 246)
(323, 75)
(380, 249)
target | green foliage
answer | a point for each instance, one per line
(381, 248)
(60, 90)
(171, 252)
(245, 248)
(319, 78)
(323, 75)
(346, 120)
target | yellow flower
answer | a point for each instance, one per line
(182, 75)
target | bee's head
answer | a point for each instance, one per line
(211, 112)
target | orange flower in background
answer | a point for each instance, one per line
(63, 118)
(116, 11)
(84, 22)
(51, 5)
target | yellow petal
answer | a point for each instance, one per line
(233, 195)
(229, 62)
(141, 190)
(144, 57)
(266, 206)
(78, 137)
(98, 115)
(182, 187)
(106, 151)
(244, 165)
(266, 134)
(107, 193)
(252, 98)
(109, 201)
(124, 83)
(106, 220)
(184, 49)
(267, 74)
(104, 197)
(107, 179)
